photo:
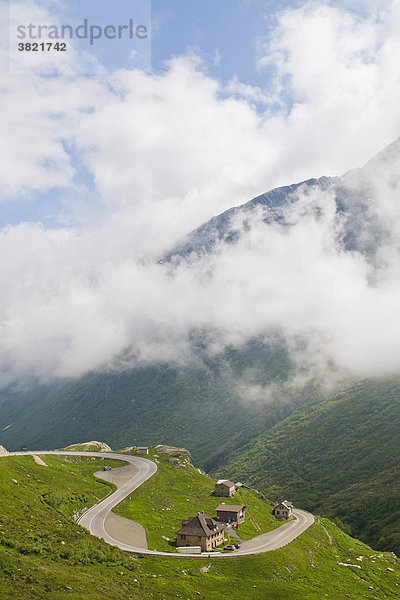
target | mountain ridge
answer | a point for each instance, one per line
(363, 230)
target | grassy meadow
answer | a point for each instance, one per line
(44, 554)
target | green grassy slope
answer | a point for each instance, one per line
(371, 508)
(45, 554)
(307, 569)
(197, 407)
(338, 455)
(42, 550)
(179, 491)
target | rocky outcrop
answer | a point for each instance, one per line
(178, 456)
(90, 447)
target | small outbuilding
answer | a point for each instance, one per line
(225, 488)
(284, 510)
(142, 449)
(200, 531)
(231, 513)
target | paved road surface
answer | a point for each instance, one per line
(94, 519)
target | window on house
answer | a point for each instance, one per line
(183, 537)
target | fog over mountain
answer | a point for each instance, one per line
(316, 263)
(317, 260)
(122, 168)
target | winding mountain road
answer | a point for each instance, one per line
(94, 519)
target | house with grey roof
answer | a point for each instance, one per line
(225, 488)
(231, 513)
(201, 531)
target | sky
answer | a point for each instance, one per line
(110, 153)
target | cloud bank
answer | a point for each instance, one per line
(162, 153)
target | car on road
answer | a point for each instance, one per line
(106, 468)
(230, 548)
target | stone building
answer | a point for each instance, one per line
(201, 531)
(225, 488)
(230, 513)
(284, 510)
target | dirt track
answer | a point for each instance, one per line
(118, 476)
(122, 529)
(126, 531)
(38, 460)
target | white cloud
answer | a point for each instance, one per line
(38, 114)
(336, 74)
(166, 152)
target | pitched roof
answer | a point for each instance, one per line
(226, 482)
(201, 525)
(285, 503)
(230, 507)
